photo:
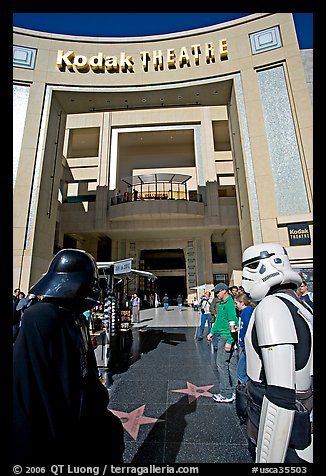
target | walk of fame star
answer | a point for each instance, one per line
(195, 392)
(132, 421)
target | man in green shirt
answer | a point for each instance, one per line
(225, 326)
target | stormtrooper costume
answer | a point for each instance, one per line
(279, 349)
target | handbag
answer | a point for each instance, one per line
(212, 319)
(241, 402)
(94, 342)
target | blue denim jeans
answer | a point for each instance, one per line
(226, 363)
(204, 318)
(242, 367)
(166, 305)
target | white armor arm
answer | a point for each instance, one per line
(276, 336)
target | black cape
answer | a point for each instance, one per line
(59, 403)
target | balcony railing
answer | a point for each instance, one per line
(191, 196)
(80, 198)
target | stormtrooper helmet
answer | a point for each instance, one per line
(264, 266)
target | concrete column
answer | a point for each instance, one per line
(102, 195)
(207, 259)
(207, 140)
(191, 269)
(114, 250)
(213, 201)
(24, 184)
(233, 250)
(43, 210)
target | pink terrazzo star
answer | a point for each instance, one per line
(195, 392)
(132, 421)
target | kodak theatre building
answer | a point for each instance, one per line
(178, 151)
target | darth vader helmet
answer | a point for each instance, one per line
(72, 279)
(266, 266)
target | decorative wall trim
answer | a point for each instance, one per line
(24, 57)
(265, 40)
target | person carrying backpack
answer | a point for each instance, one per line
(204, 306)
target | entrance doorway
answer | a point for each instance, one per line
(172, 286)
(170, 268)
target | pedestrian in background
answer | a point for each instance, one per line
(226, 355)
(165, 302)
(204, 306)
(233, 290)
(305, 295)
(246, 308)
(15, 295)
(213, 309)
(16, 313)
(26, 302)
(195, 304)
(135, 306)
(88, 317)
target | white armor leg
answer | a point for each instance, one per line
(274, 433)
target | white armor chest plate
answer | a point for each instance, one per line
(272, 343)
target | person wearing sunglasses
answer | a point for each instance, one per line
(305, 294)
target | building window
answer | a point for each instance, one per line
(218, 252)
(221, 278)
(221, 136)
(83, 142)
(104, 249)
(69, 242)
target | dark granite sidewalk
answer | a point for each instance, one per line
(160, 385)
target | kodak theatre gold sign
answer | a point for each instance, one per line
(156, 60)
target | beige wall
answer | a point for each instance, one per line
(195, 98)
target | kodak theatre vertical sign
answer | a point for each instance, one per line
(299, 234)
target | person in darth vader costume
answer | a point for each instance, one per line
(59, 403)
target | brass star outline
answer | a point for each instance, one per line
(131, 421)
(195, 392)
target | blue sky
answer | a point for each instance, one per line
(141, 24)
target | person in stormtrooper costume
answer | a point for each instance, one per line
(60, 407)
(276, 402)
